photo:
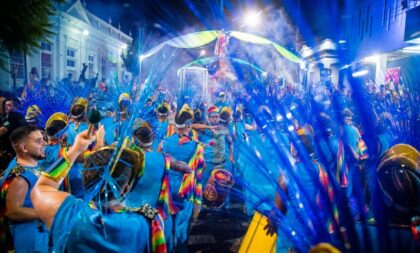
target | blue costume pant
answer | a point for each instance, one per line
(181, 226)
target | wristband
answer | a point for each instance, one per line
(59, 169)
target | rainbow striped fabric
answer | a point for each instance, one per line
(157, 235)
(324, 180)
(191, 185)
(342, 170)
(165, 204)
(362, 149)
(170, 130)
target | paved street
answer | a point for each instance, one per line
(219, 230)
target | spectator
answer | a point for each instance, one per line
(8, 122)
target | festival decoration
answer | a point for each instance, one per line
(198, 39)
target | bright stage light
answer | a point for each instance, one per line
(141, 57)
(202, 52)
(86, 32)
(360, 73)
(252, 19)
(342, 41)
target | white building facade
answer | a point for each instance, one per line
(79, 37)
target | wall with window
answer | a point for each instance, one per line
(17, 69)
(378, 26)
(47, 60)
(79, 37)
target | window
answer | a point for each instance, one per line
(103, 66)
(91, 65)
(46, 60)
(45, 46)
(46, 65)
(71, 52)
(71, 59)
(71, 63)
(17, 65)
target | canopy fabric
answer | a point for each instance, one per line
(260, 40)
(202, 61)
(286, 53)
(198, 39)
(191, 40)
(250, 38)
(209, 60)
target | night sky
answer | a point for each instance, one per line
(316, 19)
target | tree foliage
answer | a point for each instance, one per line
(24, 23)
(130, 59)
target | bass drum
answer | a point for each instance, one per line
(218, 186)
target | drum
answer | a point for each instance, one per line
(402, 149)
(218, 186)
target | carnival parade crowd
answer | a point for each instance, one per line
(87, 167)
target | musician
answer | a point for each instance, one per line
(307, 185)
(355, 158)
(186, 189)
(396, 226)
(114, 124)
(106, 225)
(28, 232)
(215, 138)
(153, 186)
(161, 125)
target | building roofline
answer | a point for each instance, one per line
(91, 18)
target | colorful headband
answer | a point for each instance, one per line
(213, 110)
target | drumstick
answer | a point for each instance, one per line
(93, 118)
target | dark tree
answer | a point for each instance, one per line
(23, 24)
(130, 58)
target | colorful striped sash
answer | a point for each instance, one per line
(165, 203)
(324, 180)
(342, 169)
(191, 185)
